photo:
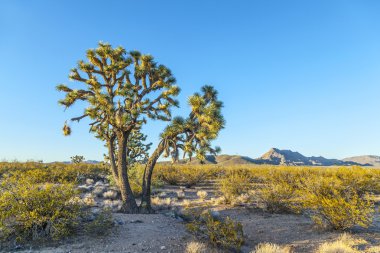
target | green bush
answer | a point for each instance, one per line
(186, 175)
(281, 191)
(102, 223)
(334, 204)
(30, 210)
(170, 175)
(224, 233)
(55, 172)
(234, 184)
(279, 198)
(136, 174)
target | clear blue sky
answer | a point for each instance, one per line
(300, 75)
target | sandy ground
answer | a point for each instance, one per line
(133, 233)
(162, 232)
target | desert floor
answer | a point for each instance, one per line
(166, 232)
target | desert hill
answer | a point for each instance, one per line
(281, 157)
(287, 157)
(365, 159)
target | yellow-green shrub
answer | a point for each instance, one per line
(55, 172)
(187, 175)
(32, 211)
(279, 198)
(281, 190)
(224, 233)
(102, 223)
(344, 244)
(235, 183)
(334, 204)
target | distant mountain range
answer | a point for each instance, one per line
(283, 157)
(373, 160)
(287, 157)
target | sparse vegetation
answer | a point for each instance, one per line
(31, 211)
(202, 194)
(102, 223)
(235, 183)
(196, 247)
(185, 175)
(270, 248)
(344, 244)
(337, 198)
(336, 205)
(224, 233)
(42, 202)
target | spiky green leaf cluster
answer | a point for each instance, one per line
(121, 88)
(194, 134)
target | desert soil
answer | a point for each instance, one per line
(164, 232)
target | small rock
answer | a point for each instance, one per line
(215, 214)
(163, 247)
(136, 221)
(119, 222)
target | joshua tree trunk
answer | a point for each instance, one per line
(111, 154)
(146, 206)
(129, 201)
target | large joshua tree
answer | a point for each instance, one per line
(120, 89)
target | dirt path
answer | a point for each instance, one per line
(133, 233)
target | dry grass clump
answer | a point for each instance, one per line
(344, 244)
(196, 247)
(186, 203)
(374, 249)
(270, 248)
(114, 205)
(202, 194)
(99, 190)
(110, 194)
(161, 202)
(89, 200)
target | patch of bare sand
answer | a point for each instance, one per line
(133, 233)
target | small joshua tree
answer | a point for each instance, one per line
(122, 89)
(77, 159)
(192, 135)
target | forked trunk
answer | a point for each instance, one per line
(146, 206)
(129, 201)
